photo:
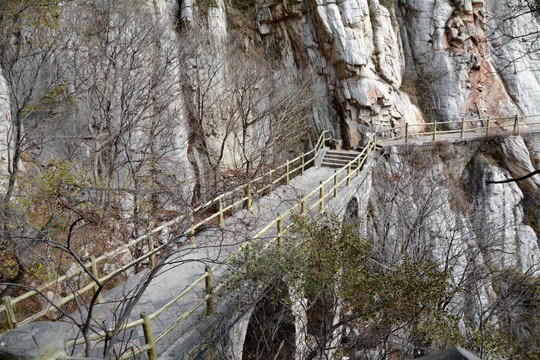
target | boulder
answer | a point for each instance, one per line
(34, 341)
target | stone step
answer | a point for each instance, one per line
(338, 158)
(332, 165)
(344, 153)
(341, 162)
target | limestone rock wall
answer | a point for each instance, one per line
(449, 57)
(436, 201)
(354, 47)
(379, 64)
(4, 125)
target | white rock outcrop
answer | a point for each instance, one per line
(355, 48)
(518, 161)
(499, 218)
(5, 128)
(364, 50)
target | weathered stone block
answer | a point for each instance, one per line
(35, 341)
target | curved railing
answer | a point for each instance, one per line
(240, 196)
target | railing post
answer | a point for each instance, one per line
(94, 269)
(191, 230)
(434, 131)
(287, 172)
(487, 128)
(248, 200)
(303, 164)
(303, 206)
(270, 183)
(321, 197)
(10, 314)
(358, 167)
(220, 210)
(279, 225)
(516, 125)
(248, 259)
(209, 291)
(151, 248)
(148, 337)
(462, 128)
(406, 132)
(349, 174)
(335, 184)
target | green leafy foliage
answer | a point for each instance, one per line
(325, 259)
(404, 302)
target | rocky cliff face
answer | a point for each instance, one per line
(505, 213)
(379, 64)
(393, 62)
(376, 65)
(436, 202)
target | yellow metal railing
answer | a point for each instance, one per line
(483, 127)
(225, 202)
(315, 199)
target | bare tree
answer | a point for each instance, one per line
(125, 74)
(110, 80)
(246, 115)
(36, 95)
(513, 31)
(98, 74)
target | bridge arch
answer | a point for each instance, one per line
(270, 332)
(352, 211)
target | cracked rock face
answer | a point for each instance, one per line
(498, 219)
(354, 46)
(442, 205)
(500, 222)
(372, 54)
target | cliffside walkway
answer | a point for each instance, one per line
(462, 130)
(179, 305)
(187, 276)
(185, 283)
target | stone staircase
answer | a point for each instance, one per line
(338, 158)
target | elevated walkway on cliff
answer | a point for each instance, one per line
(184, 298)
(458, 131)
(187, 297)
(178, 297)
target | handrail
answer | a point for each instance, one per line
(486, 124)
(357, 163)
(352, 168)
(91, 267)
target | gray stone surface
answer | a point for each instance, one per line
(42, 340)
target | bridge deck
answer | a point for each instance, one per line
(456, 136)
(212, 246)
